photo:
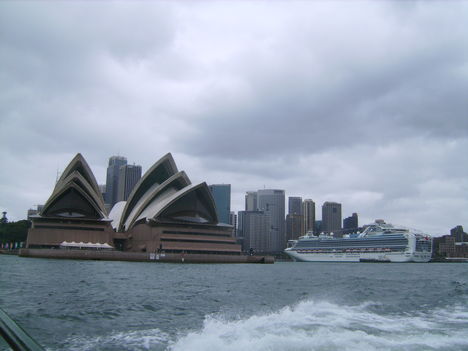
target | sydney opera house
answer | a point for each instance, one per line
(165, 216)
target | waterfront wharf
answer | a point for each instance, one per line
(143, 256)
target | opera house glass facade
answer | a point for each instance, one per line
(163, 213)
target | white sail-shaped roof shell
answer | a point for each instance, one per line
(78, 178)
(199, 207)
(116, 213)
(77, 188)
(164, 194)
(163, 169)
(50, 208)
(79, 164)
(155, 194)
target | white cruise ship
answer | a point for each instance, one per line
(379, 242)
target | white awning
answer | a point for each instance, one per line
(86, 245)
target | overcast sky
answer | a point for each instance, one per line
(362, 103)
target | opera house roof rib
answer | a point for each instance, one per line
(76, 194)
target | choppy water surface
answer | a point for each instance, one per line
(94, 305)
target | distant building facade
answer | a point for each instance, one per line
(240, 228)
(129, 175)
(294, 226)
(112, 179)
(458, 233)
(295, 205)
(331, 217)
(102, 189)
(233, 222)
(308, 212)
(254, 227)
(272, 203)
(33, 212)
(454, 245)
(222, 197)
(251, 201)
(351, 224)
(318, 227)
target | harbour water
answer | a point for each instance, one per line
(97, 305)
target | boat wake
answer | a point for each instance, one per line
(308, 325)
(324, 326)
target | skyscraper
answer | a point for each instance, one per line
(129, 175)
(254, 228)
(318, 226)
(271, 202)
(222, 197)
(251, 201)
(308, 211)
(331, 217)
(295, 205)
(112, 180)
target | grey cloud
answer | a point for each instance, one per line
(402, 90)
(363, 104)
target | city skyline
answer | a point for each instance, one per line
(360, 103)
(317, 206)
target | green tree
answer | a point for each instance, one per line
(14, 231)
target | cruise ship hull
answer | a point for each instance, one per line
(360, 257)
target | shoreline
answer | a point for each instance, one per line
(143, 256)
(161, 257)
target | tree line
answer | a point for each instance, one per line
(14, 231)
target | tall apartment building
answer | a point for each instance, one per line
(254, 229)
(129, 175)
(222, 198)
(251, 201)
(272, 203)
(295, 205)
(331, 217)
(112, 179)
(308, 211)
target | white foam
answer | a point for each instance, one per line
(324, 326)
(309, 325)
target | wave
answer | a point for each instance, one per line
(312, 325)
(149, 339)
(308, 325)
